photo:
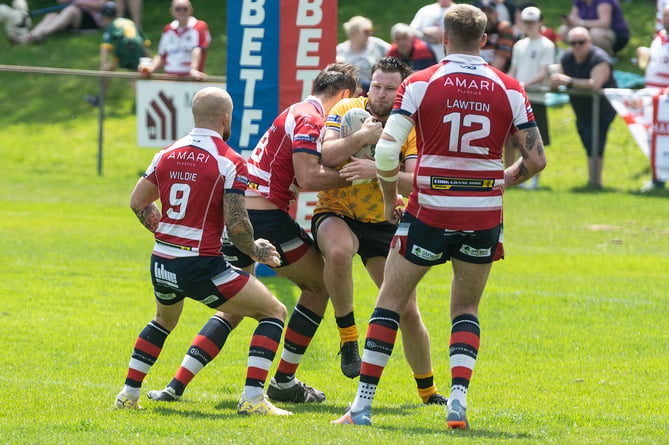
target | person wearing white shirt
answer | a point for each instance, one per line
(529, 64)
(429, 21)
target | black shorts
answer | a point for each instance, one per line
(425, 245)
(373, 238)
(277, 227)
(209, 280)
(541, 118)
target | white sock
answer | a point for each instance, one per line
(363, 397)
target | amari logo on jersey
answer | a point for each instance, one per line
(425, 254)
(473, 252)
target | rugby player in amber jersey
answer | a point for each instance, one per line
(200, 183)
(350, 220)
(463, 109)
(286, 158)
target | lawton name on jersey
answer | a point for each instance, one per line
(468, 105)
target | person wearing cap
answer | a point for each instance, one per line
(123, 44)
(429, 25)
(361, 49)
(501, 37)
(409, 49)
(546, 31)
(529, 64)
(76, 15)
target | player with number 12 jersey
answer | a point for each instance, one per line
(474, 107)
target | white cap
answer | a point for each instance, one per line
(530, 14)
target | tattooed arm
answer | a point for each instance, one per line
(142, 202)
(240, 231)
(532, 160)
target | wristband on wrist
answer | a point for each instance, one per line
(570, 84)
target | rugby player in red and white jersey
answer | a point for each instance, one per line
(463, 110)
(200, 182)
(182, 49)
(286, 158)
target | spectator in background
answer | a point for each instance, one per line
(76, 15)
(506, 10)
(361, 49)
(501, 38)
(587, 67)
(604, 20)
(134, 8)
(655, 60)
(408, 48)
(429, 22)
(182, 49)
(658, 15)
(547, 32)
(529, 64)
(123, 44)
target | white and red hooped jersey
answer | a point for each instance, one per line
(176, 45)
(192, 175)
(463, 110)
(298, 129)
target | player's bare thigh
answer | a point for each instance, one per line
(469, 280)
(399, 281)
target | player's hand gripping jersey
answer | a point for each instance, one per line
(362, 202)
(297, 129)
(192, 174)
(463, 110)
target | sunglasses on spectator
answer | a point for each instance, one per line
(577, 42)
(181, 8)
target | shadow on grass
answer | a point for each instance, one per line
(228, 409)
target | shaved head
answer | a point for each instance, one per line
(212, 108)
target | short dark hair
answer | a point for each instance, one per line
(335, 78)
(392, 65)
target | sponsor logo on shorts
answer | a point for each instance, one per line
(163, 296)
(425, 254)
(210, 299)
(164, 276)
(473, 252)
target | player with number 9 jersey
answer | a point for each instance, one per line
(464, 109)
(192, 175)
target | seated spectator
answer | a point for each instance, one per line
(587, 67)
(604, 20)
(656, 62)
(547, 32)
(134, 7)
(498, 47)
(529, 64)
(429, 22)
(182, 49)
(361, 49)
(410, 49)
(76, 15)
(123, 44)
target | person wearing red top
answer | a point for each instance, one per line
(409, 49)
(501, 37)
(182, 49)
(200, 183)
(463, 109)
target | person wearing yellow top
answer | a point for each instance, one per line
(350, 220)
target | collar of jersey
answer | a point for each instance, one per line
(465, 58)
(205, 132)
